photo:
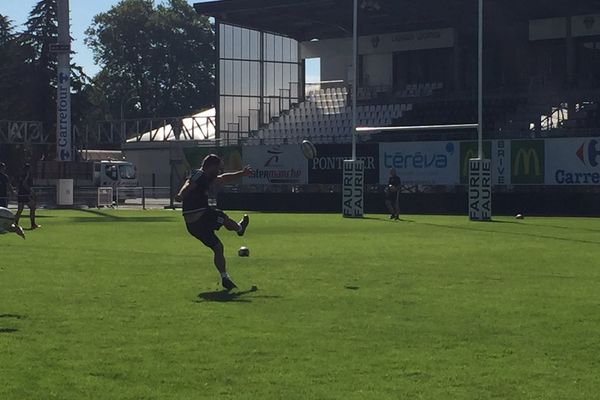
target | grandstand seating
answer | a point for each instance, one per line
(325, 116)
(420, 89)
(410, 90)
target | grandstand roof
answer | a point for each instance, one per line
(309, 19)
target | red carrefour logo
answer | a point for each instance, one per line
(591, 151)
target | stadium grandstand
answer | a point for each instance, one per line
(417, 65)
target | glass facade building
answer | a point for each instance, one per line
(259, 76)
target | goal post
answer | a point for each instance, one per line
(353, 190)
(480, 174)
(480, 189)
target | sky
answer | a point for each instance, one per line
(82, 13)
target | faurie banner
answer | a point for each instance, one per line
(283, 164)
(421, 163)
(327, 166)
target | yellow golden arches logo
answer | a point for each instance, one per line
(470, 153)
(524, 159)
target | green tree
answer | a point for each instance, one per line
(156, 61)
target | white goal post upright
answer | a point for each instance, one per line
(353, 184)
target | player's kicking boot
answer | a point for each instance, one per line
(228, 283)
(244, 224)
(17, 229)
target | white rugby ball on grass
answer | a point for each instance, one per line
(308, 149)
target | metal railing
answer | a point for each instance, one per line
(126, 197)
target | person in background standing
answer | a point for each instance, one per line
(5, 186)
(26, 197)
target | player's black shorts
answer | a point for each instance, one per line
(204, 229)
(24, 198)
(4, 202)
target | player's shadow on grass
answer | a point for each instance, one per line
(387, 219)
(11, 316)
(223, 296)
(520, 234)
(14, 316)
(105, 217)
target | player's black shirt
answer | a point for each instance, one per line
(25, 185)
(3, 185)
(197, 199)
(394, 181)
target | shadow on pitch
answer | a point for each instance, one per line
(223, 296)
(13, 316)
(386, 219)
(10, 316)
(520, 234)
(101, 216)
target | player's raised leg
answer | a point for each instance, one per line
(239, 227)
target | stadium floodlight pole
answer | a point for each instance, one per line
(480, 84)
(355, 78)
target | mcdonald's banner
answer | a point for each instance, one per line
(528, 162)
(573, 161)
(468, 151)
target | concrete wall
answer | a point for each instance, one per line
(377, 52)
(151, 163)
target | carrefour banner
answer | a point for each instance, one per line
(284, 164)
(421, 163)
(573, 161)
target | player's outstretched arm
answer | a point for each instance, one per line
(224, 179)
(187, 186)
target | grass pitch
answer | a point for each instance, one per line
(126, 305)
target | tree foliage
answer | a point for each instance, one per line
(157, 61)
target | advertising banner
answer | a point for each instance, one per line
(64, 145)
(496, 150)
(528, 158)
(480, 189)
(327, 167)
(282, 164)
(421, 163)
(353, 189)
(573, 161)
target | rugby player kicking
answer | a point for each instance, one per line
(203, 221)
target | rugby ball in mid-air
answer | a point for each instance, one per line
(244, 252)
(519, 216)
(308, 149)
